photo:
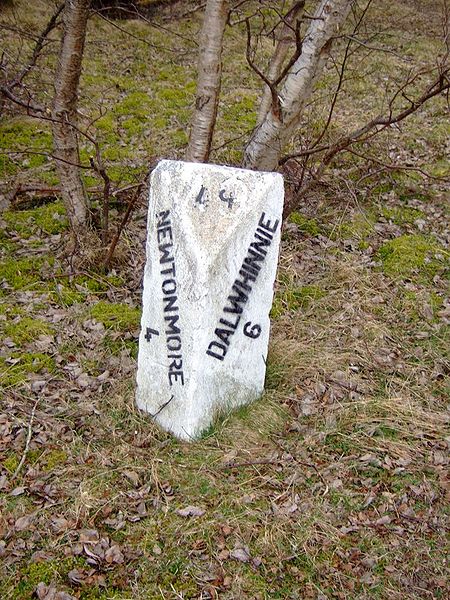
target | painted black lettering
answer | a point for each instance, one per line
(176, 375)
(220, 347)
(175, 365)
(173, 343)
(248, 272)
(170, 270)
(250, 269)
(201, 199)
(240, 284)
(149, 332)
(224, 335)
(252, 331)
(268, 224)
(169, 286)
(170, 303)
(164, 232)
(260, 246)
(170, 299)
(163, 217)
(165, 253)
(266, 234)
(253, 258)
(236, 301)
(231, 325)
(171, 320)
(246, 276)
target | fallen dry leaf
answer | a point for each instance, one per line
(89, 536)
(133, 477)
(23, 523)
(241, 554)
(190, 511)
(114, 555)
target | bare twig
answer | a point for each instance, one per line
(27, 443)
(38, 47)
(99, 168)
(341, 76)
(379, 123)
(251, 463)
(395, 167)
(276, 109)
(126, 216)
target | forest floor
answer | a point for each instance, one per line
(333, 485)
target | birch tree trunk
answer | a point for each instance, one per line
(209, 79)
(64, 112)
(286, 38)
(268, 139)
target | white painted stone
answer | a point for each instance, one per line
(196, 358)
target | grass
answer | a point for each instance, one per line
(410, 255)
(116, 316)
(49, 219)
(332, 485)
(26, 330)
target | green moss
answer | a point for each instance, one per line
(120, 317)
(407, 305)
(64, 296)
(7, 165)
(440, 168)
(338, 443)
(304, 224)
(24, 134)
(114, 152)
(137, 104)
(11, 462)
(106, 124)
(116, 347)
(132, 126)
(179, 138)
(45, 571)
(21, 273)
(241, 112)
(10, 310)
(24, 364)
(26, 330)
(53, 459)
(21, 135)
(294, 299)
(49, 177)
(410, 255)
(174, 98)
(386, 432)
(402, 215)
(359, 228)
(124, 174)
(98, 284)
(160, 122)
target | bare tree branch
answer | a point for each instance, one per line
(52, 23)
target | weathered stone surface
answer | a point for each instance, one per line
(212, 250)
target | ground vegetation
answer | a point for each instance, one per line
(335, 484)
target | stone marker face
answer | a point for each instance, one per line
(212, 250)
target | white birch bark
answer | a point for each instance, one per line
(209, 79)
(64, 112)
(266, 144)
(286, 38)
